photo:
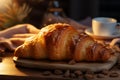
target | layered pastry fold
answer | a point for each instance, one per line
(62, 42)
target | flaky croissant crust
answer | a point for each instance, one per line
(62, 42)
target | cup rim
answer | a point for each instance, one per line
(99, 19)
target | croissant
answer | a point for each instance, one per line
(61, 41)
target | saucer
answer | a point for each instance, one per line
(90, 33)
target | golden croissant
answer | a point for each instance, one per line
(61, 41)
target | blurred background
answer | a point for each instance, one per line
(94, 8)
(77, 10)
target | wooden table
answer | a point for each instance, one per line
(9, 71)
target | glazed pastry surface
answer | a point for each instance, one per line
(62, 42)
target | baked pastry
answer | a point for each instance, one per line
(62, 42)
(115, 44)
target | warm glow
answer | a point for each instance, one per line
(7, 66)
(3, 4)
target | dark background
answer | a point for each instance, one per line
(80, 9)
(75, 9)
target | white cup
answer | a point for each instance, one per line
(104, 26)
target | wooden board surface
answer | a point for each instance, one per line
(96, 67)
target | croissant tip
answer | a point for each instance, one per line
(18, 52)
